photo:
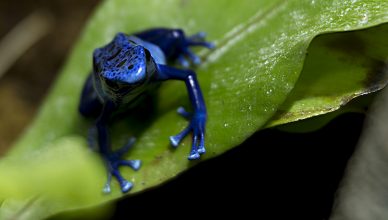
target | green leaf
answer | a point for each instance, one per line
(261, 47)
(338, 68)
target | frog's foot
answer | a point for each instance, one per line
(197, 39)
(197, 126)
(113, 162)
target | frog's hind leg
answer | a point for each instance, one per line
(90, 107)
(175, 44)
(113, 159)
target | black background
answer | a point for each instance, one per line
(272, 175)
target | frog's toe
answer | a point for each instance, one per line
(194, 156)
(176, 139)
(198, 145)
(126, 186)
(200, 36)
(193, 57)
(106, 189)
(209, 45)
(198, 39)
(134, 164)
(113, 164)
(201, 140)
(197, 126)
(183, 61)
(201, 149)
(182, 111)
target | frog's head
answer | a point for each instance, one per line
(121, 64)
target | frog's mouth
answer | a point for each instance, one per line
(113, 85)
(116, 86)
(119, 88)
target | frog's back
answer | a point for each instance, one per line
(156, 52)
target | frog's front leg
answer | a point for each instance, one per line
(113, 158)
(197, 118)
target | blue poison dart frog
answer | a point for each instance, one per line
(129, 67)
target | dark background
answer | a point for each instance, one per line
(24, 86)
(272, 175)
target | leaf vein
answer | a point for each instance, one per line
(240, 31)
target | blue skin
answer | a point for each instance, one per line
(126, 69)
